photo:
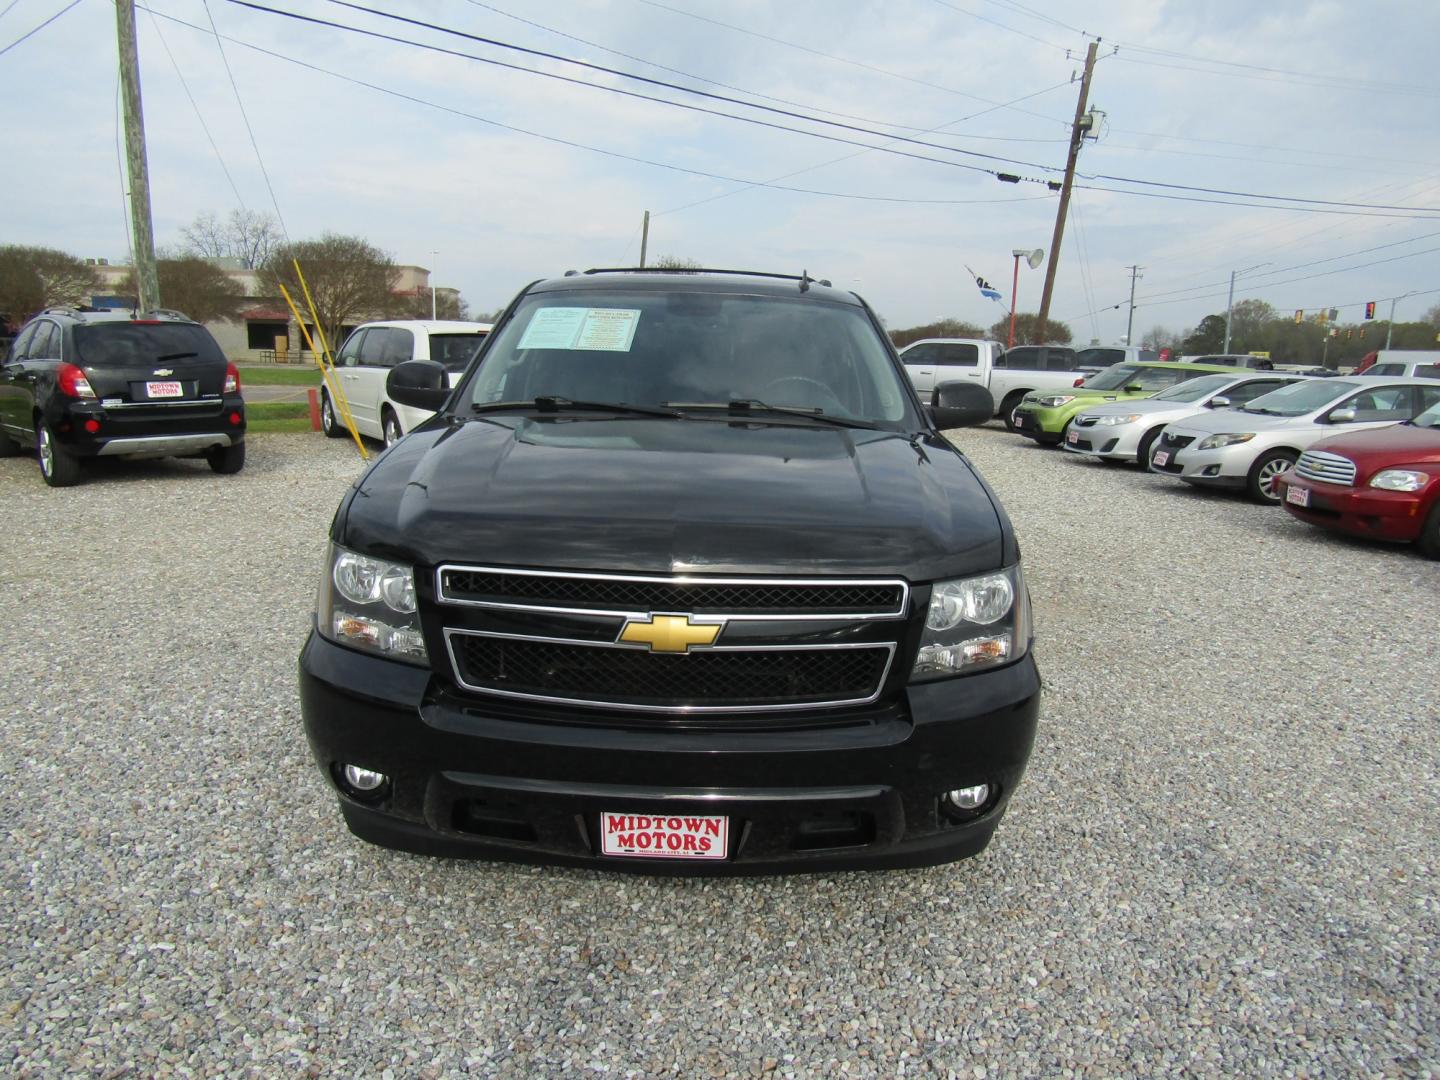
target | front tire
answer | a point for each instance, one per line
(1429, 541)
(226, 460)
(1260, 483)
(329, 423)
(390, 428)
(1008, 407)
(1147, 443)
(58, 466)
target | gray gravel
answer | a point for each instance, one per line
(1223, 860)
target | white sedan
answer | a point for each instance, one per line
(1250, 446)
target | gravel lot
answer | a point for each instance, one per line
(1223, 859)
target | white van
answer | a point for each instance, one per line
(369, 353)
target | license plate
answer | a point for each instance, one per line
(673, 836)
(1162, 458)
(164, 389)
(1072, 437)
(1297, 495)
(1020, 420)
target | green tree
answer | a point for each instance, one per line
(940, 328)
(1432, 317)
(1248, 322)
(1208, 337)
(193, 285)
(350, 279)
(34, 278)
(1029, 332)
(674, 262)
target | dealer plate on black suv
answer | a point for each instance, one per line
(670, 837)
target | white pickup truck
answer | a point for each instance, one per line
(1008, 375)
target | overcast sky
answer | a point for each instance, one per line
(494, 177)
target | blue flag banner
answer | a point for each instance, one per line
(986, 289)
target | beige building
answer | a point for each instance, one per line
(262, 330)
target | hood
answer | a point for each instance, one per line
(1382, 448)
(1214, 421)
(1142, 406)
(665, 496)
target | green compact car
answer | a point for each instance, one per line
(1043, 415)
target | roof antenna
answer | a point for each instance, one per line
(805, 280)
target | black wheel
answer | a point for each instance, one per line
(1261, 482)
(1429, 541)
(390, 425)
(58, 466)
(1147, 443)
(226, 460)
(1008, 407)
(329, 422)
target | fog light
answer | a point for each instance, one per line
(363, 779)
(968, 798)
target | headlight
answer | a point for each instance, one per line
(1399, 480)
(1227, 438)
(1052, 401)
(974, 623)
(369, 604)
(1116, 421)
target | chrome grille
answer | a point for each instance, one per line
(622, 594)
(1326, 468)
(1175, 442)
(1086, 421)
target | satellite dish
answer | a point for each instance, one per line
(1035, 258)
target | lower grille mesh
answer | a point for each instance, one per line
(705, 678)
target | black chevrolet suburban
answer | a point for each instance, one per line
(682, 576)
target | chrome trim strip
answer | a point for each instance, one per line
(619, 791)
(163, 403)
(678, 579)
(164, 444)
(889, 646)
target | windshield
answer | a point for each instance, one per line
(1141, 375)
(1429, 418)
(122, 344)
(668, 348)
(454, 350)
(1300, 398)
(1195, 389)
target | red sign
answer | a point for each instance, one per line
(1164, 354)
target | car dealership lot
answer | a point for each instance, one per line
(1223, 857)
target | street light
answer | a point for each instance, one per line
(1033, 258)
(1230, 303)
(1390, 326)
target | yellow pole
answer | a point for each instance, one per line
(327, 375)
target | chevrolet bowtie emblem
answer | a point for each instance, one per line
(669, 633)
(164, 371)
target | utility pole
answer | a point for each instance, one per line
(644, 238)
(1390, 327)
(146, 282)
(1130, 322)
(1077, 136)
(1229, 306)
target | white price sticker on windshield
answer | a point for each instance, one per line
(583, 329)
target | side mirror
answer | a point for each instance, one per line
(960, 404)
(1219, 402)
(422, 384)
(1134, 388)
(1342, 416)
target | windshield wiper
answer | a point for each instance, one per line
(550, 403)
(750, 406)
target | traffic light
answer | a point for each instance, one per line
(1299, 315)
(1370, 309)
(1349, 334)
(1323, 317)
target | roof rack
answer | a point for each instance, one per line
(803, 277)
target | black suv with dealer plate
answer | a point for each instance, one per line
(77, 384)
(681, 576)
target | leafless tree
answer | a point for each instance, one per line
(249, 236)
(193, 285)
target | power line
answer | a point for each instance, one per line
(31, 33)
(414, 99)
(255, 145)
(1002, 26)
(841, 59)
(194, 105)
(766, 108)
(1425, 214)
(1261, 73)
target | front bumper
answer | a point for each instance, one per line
(1120, 442)
(1042, 425)
(1226, 467)
(481, 777)
(1396, 516)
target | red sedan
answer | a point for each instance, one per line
(1383, 483)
